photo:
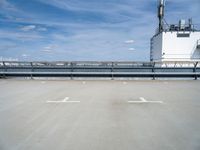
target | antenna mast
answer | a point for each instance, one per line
(161, 7)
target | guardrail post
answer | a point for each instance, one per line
(72, 70)
(153, 71)
(32, 70)
(195, 71)
(112, 67)
(5, 69)
(66, 67)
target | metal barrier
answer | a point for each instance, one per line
(100, 69)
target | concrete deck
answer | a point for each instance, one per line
(99, 115)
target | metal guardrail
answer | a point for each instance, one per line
(176, 27)
(100, 69)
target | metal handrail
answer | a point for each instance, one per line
(99, 69)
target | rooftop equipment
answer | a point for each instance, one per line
(182, 24)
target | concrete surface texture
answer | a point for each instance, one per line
(99, 115)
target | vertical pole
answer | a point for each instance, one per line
(153, 71)
(195, 71)
(65, 65)
(112, 71)
(161, 7)
(32, 70)
(5, 69)
(72, 70)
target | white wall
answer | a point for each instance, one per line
(156, 47)
(168, 47)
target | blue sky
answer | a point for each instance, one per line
(71, 30)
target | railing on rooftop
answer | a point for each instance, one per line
(177, 27)
(100, 69)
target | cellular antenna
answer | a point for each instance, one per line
(161, 8)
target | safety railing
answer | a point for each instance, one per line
(101, 69)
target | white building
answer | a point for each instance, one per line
(176, 46)
(175, 42)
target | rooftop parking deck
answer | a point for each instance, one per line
(99, 115)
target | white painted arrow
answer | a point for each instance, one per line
(65, 100)
(143, 100)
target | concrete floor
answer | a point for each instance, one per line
(99, 115)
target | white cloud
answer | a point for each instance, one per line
(2, 58)
(28, 28)
(129, 41)
(33, 27)
(42, 29)
(23, 36)
(4, 4)
(48, 48)
(131, 49)
(24, 55)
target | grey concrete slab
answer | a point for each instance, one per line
(102, 117)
